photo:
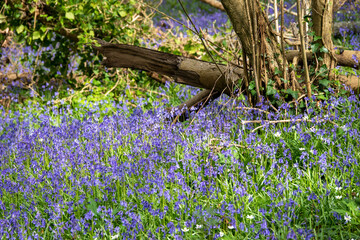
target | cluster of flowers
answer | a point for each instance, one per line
(134, 175)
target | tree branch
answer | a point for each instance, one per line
(195, 103)
(195, 72)
(183, 70)
(215, 4)
(345, 59)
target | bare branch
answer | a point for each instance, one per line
(215, 4)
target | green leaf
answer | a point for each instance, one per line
(2, 18)
(324, 82)
(123, 13)
(278, 71)
(321, 97)
(270, 91)
(20, 29)
(294, 94)
(241, 97)
(315, 47)
(324, 49)
(92, 206)
(70, 15)
(316, 38)
(96, 83)
(307, 18)
(251, 86)
(311, 34)
(36, 35)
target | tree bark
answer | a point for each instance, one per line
(352, 27)
(195, 72)
(215, 4)
(183, 70)
(322, 19)
(346, 59)
(258, 41)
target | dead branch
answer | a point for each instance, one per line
(183, 70)
(195, 72)
(215, 4)
(284, 121)
(345, 59)
(195, 103)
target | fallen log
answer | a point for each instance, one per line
(347, 58)
(183, 70)
(197, 73)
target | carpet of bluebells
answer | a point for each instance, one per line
(135, 175)
(230, 172)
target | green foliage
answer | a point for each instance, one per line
(69, 27)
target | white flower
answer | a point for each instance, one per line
(185, 229)
(345, 128)
(115, 236)
(198, 226)
(338, 197)
(306, 117)
(302, 149)
(338, 188)
(231, 227)
(277, 134)
(347, 218)
(41, 139)
(250, 217)
(221, 234)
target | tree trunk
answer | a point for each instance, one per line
(322, 19)
(258, 42)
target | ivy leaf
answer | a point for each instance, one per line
(324, 49)
(20, 29)
(70, 15)
(316, 38)
(324, 82)
(123, 13)
(36, 35)
(314, 47)
(278, 71)
(294, 94)
(270, 91)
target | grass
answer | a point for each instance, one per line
(123, 174)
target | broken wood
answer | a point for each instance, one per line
(195, 72)
(194, 104)
(215, 4)
(183, 70)
(347, 58)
